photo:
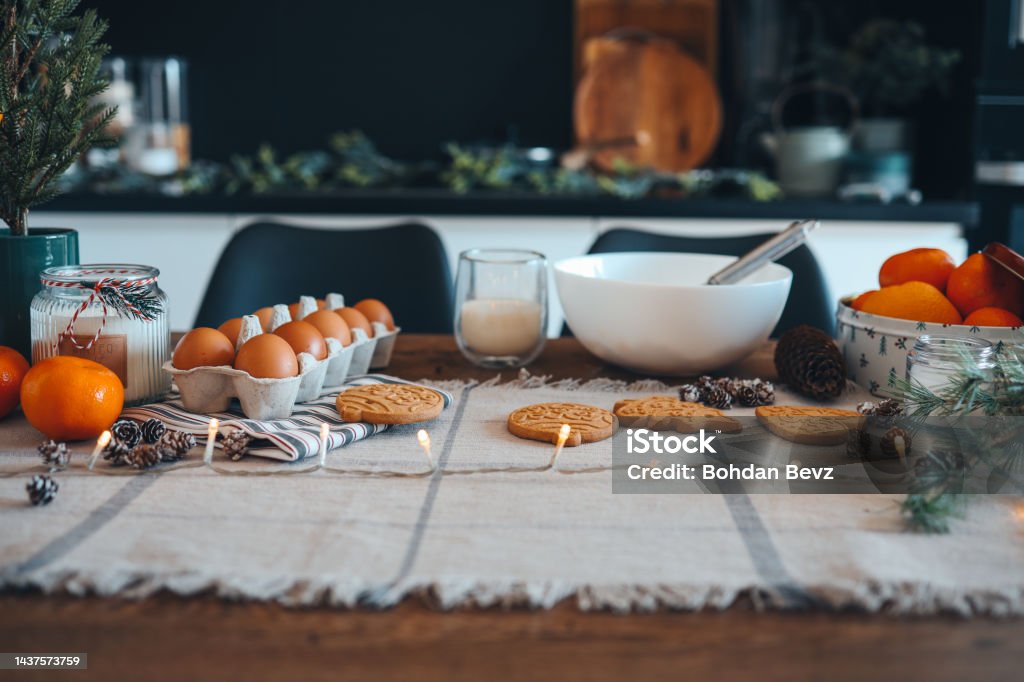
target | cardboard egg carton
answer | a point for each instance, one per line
(211, 389)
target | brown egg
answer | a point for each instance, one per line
(203, 347)
(321, 304)
(375, 311)
(303, 338)
(267, 356)
(265, 315)
(293, 310)
(231, 329)
(353, 318)
(331, 326)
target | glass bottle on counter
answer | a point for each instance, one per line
(69, 318)
(934, 361)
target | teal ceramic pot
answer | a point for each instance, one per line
(22, 258)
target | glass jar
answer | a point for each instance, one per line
(934, 361)
(85, 311)
(501, 306)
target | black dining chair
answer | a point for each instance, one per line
(808, 303)
(265, 263)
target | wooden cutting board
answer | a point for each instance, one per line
(646, 88)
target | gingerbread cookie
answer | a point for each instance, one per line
(809, 425)
(389, 404)
(663, 412)
(543, 421)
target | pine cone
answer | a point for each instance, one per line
(152, 431)
(689, 393)
(754, 392)
(41, 490)
(144, 456)
(127, 432)
(809, 361)
(236, 445)
(55, 455)
(886, 408)
(116, 453)
(889, 408)
(765, 391)
(891, 446)
(174, 445)
(718, 397)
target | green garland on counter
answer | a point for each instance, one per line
(352, 160)
(988, 453)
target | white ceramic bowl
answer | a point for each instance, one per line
(652, 312)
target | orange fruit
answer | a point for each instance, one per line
(918, 301)
(917, 265)
(71, 398)
(980, 283)
(858, 303)
(13, 367)
(993, 317)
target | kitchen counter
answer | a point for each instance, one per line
(443, 202)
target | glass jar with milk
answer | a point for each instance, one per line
(501, 306)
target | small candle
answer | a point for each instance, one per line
(424, 439)
(501, 327)
(324, 433)
(101, 443)
(563, 435)
(211, 439)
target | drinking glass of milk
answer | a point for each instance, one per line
(501, 306)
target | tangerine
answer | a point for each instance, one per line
(993, 317)
(918, 301)
(917, 265)
(13, 367)
(68, 398)
(981, 283)
(858, 303)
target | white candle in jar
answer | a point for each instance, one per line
(134, 349)
(501, 327)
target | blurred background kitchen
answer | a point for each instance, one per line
(543, 124)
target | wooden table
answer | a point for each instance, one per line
(171, 638)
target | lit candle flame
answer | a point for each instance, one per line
(211, 439)
(424, 439)
(101, 443)
(325, 430)
(563, 435)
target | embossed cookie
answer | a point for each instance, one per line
(663, 412)
(389, 404)
(809, 425)
(543, 421)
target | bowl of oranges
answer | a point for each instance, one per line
(924, 291)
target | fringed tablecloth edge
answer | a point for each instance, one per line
(893, 599)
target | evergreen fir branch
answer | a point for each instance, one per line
(49, 76)
(146, 305)
(930, 514)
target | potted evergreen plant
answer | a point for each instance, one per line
(49, 75)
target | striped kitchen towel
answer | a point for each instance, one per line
(291, 439)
